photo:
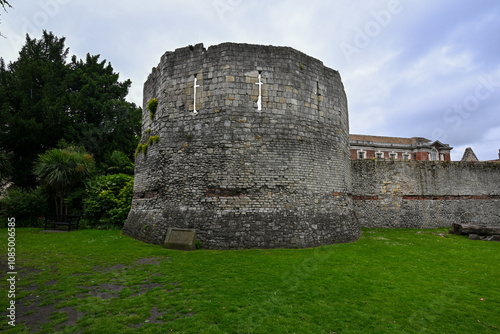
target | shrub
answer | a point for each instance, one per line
(108, 200)
(153, 139)
(141, 148)
(152, 106)
(27, 206)
(118, 162)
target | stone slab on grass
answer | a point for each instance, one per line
(180, 239)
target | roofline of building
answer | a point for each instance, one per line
(417, 143)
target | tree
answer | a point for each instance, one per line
(44, 99)
(61, 170)
(102, 120)
(33, 103)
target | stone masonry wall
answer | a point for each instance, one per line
(243, 177)
(425, 194)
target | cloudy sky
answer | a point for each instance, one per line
(410, 68)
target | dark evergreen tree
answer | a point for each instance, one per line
(102, 120)
(44, 99)
(33, 103)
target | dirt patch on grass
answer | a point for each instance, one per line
(80, 274)
(112, 268)
(33, 312)
(73, 316)
(153, 318)
(34, 316)
(25, 271)
(156, 315)
(51, 282)
(152, 260)
(143, 288)
(104, 291)
(146, 261)
(40, 307)
(110, 290)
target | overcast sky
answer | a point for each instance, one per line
(410, 68)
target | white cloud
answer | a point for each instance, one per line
(439, 63)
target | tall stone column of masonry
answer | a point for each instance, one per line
(249, 145)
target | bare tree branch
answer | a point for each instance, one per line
(5, 3)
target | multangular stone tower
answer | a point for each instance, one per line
(249, 145)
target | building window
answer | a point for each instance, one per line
(441, 156)
(393, 155)
(379, 155)
(434, 154)
(406, 156)
(361, 154)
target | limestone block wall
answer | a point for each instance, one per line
(252, 150)
(425, 194)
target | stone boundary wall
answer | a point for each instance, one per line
(425, 194)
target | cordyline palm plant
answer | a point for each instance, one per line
(61, 170)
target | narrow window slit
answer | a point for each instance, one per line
(318, 94)
(259, 100)
(194, 94)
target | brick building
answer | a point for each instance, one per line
(416, 148)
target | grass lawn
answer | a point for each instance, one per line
(390, 281)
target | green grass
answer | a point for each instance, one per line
(390, 281)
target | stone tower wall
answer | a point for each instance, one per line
(243, 177)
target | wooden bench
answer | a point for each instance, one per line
(64, 220)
